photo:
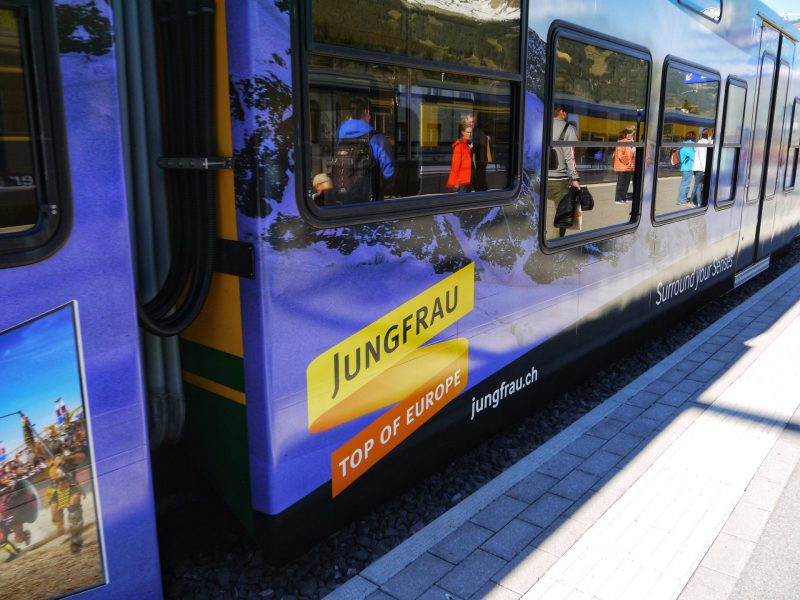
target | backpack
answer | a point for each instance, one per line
(353, 170)
(673, 157)
(553, 158)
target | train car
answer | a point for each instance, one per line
(350, 226)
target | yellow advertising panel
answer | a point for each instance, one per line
(358, 375)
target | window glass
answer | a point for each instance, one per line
(731, 143)
(794, 146)
(379, 132)
(774, 164)
(476, 33)
(597, 132)
(18, 194)
(757, 152)
(708, 8)
(688, 125)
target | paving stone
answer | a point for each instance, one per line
(417, 577)
(746, 522)
(470, 575)
(659, 387)
(577, 483)
(626, 413)
(561, 464)
(687, 385)
(622, 443)
(499, 512)
(585, 445)
(675, 398)
(599, 463)
(379, 595)
(437, 593)
(560, 536)
(460, 543)
(608, 428)
(494, 591)
(532, 487)
(523, 572)
(644, 399)
(642, 427)
(659, 412)
(728, 554)
(511, 539)
(545, 510)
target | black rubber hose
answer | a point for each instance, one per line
(198, 209)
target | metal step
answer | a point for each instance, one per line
(750, 272)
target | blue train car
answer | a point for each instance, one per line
(366, 235)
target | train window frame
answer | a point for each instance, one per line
(323, 217)
(697, 7)
(558, 30)
(43, 96)
(723, 143)
(792, 150)
(684, 213)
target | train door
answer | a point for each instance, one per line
(74, 463)
(776, 55)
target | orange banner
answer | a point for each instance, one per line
(362, 452)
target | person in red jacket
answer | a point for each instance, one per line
(462, 166)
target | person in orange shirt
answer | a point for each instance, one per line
(624, 165)
(462, 165)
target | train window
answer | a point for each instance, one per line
(775, 159)
(473, 33)
(597, 133)
(686, 146)
(759, 135)
(731, 141)
(794, 146)
(19, 210)
(711, 9)
(30, 213)
(405, 108)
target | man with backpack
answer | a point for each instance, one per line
(561, 170)
(686, 163)
(362, 166)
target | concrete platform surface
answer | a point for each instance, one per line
(683, 485)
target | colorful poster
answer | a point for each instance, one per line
(49, 535)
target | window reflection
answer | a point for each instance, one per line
(708, 8)
(410, 123)
(471, 32)
(18, 204)
(688, 126)
(597, 133)
(731, 142)
(794, 146)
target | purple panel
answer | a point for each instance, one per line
(94, 269)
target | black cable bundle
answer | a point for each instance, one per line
(186, 32)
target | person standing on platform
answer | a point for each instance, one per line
(461, 166)
(699, 167)
(686, 162)
(624, 165)
(482, 151)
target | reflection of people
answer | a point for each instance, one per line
(322, 183)
(362, 164)
(686, 162)
(482, 151)
(624, 165)
(562, 173)
(461, 166)
(699, 167)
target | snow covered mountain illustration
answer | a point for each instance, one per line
(482, 10)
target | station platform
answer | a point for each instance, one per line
(683, 485)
